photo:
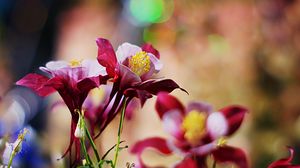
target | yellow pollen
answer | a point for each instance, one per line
(75, 63)
(221, 141)
(194, 126)
(140, 63)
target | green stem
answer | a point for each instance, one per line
(119, 133)
(86, 155)
(11, 159)
(92, 144)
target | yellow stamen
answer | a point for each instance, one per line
(221, 141)
(75, 63)
(140, 63)
(194, 126)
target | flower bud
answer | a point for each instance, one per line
(79, 131)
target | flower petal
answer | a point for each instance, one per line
(106, 56)
(216, 125)
(93, 68)
(154, 86)
(189, 162)
(172, 123)
(37, 83)
(126, 50)
(157, 143)
(235, 116)
(200, 106)
(165, 103)
(230, 154)
(53, 66)
(87, 84)
(150, 49)
(286, 162)
(158, 65)
(128, 78)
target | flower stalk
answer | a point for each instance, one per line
(119, 133)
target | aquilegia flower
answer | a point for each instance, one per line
(132, 69)
(73, 81)
(196, 132)
(285, 162)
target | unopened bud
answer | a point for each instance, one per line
(79, 131)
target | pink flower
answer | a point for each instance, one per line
(197, 131)
(73, 81)
(286, 162)
(132, 69)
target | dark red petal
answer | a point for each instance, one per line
(150, 49)
(37, 83)
(192, 162)
(166, 102)
(235, 116)
(132, 107)
(142, 95)
(286, 162)
(106, 56)
(128, 78)
(87, 84)
(157, 143)
(154, 86)
(230, 154)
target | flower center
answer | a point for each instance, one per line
(194, 126)
(75, 63)
(140, 63)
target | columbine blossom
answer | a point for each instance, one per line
(197, 131)
(132, 70)
(73, 81)
(285, 162)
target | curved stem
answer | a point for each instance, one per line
(119, 133)
(86, 155)
(92, 143)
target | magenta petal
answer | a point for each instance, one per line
(166, 102)
(286, 162)
(87, 84)
(154, 86)
(37, 83)
(199, 106)
(157, 143)
(192, 162)
(106, 56)
(128, 78)
(150, 49)
(235, 116)
(230, 154)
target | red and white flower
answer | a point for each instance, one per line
(197, 131)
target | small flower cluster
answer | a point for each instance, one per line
(128, 74)
(131, 70)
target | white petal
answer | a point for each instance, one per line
(94, 68)
(217, 124)
(126, 50)
(172, 121)
(55, 65)
(158, 65)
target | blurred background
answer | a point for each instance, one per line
(223, 52)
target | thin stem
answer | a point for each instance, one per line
(103, 157)
(86, 155)
(119, 133)
(92, 143)
(214, 164)
(11, 159)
